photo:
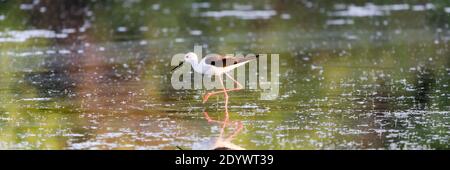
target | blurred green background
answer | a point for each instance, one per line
(96, 74)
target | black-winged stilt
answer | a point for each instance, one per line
(218, 65)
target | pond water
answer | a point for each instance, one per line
(96, 75)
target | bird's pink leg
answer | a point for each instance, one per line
(224, 90)
(206, 97)
(211, 120)
(225, 94)
(239, 127)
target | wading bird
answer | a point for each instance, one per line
(219, 66)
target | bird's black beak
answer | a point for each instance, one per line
(178, 66)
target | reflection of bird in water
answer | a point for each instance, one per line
(220, 143)
(218, 65)
(225, 143)
(216, 144)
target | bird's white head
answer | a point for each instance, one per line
(191, 57)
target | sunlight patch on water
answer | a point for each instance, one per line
(36, 99)
(447, 9)
(196, 5)
(22, 36)
(360, 11)
(245, 15)
(340, 22)
(370, 9)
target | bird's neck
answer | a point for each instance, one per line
(196, 66)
